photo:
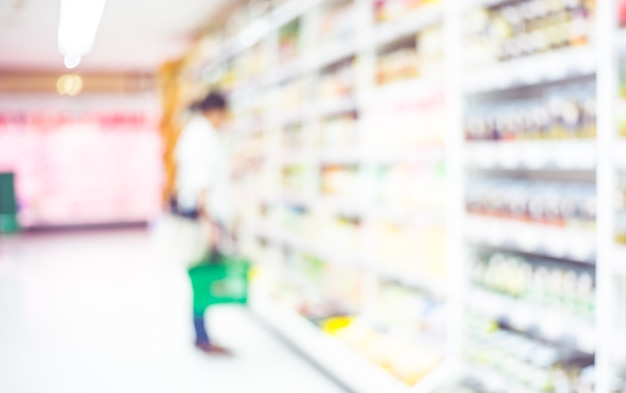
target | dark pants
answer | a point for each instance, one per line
(202, 337)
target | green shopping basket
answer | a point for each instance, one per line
(224, 281)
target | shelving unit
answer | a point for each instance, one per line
(533, 162)
(610, 172)
(315, 150)
(543, 68)
(533, 155)
(535, 129)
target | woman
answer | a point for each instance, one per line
(203, 186)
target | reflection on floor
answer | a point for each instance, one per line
(100, 313)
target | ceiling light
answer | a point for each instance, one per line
(70, 85)
(78, 26)
(72, 61)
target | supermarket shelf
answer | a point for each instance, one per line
(298, 114)
(295, 157)
(247, 127)
(383, 35)
(536, 69)
(262, 198)
(552, 241)
(295, 199)
(467, 4)
(336, 106)
(420, 220)
(391, 156)
(391, 32)
(494, 381)
(575, 154)
(305, 64)
(353, 370)
(328, 254)
(380, 157)
(278, 236)
(289, 70)
(263, 26)
(341, 156)
(434, 287)
(333, 53)
(340, 207)
(402, 90)
(551, 325)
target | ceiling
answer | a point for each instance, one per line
(135, 35)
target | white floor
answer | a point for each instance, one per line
(101, 313)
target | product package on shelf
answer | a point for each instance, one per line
(430, 45)
(411, 254)
(398, 64)
(249, 153)
(340, 183)
(254, 168)
(293, 93)
(393, 10)
(337, 22)
(337, 81)
(411, 122)
(290, 103)
(318, 290)
(339, 132)
(502, 358)
(289, 40)
(562, 287)
(564, 111)
(296, 138)
(419, 56)
(407, 186)
(338, 235)
(525, 28)
(295, 180)
(406, 336)
(252, 63)
(567, 205)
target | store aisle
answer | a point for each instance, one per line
(100, 313)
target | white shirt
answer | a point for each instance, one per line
(203, 165)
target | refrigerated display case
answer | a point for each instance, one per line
(76, 168)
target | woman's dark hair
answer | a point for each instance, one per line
(213, 101)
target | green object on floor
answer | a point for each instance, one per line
(8, 204)
(9, 224)
(221, 281)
